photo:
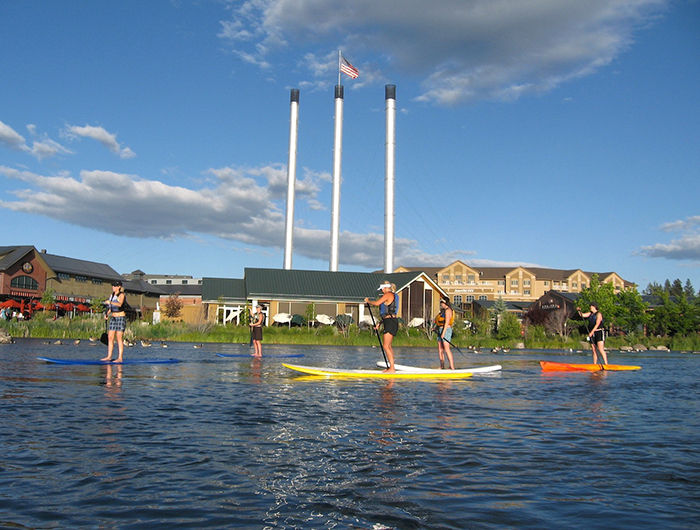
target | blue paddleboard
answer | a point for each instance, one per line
(264, 356)
(93, 361)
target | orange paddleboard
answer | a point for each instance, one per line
(549, 366)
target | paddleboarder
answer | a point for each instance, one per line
(117, 321)
(256, 325)
(596, 332)
(388, 304)
(444, 321)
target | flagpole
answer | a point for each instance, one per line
(339, 55)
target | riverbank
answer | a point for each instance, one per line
(91, 327)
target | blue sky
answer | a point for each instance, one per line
(154, 135)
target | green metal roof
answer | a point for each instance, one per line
(229, 289)
(282, 284)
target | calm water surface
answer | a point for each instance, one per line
(233, 442)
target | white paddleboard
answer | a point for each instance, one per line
(417, 369)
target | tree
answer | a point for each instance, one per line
(688, 290)
(652, 288)
(310, 313)
(632, 311)
(676, 288)
(173, 306)
(603, 296)
(498, 309)
(555, 323)
(509, 327)
(48, 298)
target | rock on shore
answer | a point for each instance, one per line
(5, 337)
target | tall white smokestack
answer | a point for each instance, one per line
(337, 157)
(389, 177)
(291, 175)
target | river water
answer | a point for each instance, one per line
(216, 442)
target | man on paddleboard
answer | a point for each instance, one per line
(388, 304)
(596, 332)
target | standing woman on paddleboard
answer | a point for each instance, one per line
(117, 321)
(256, 325)
(388, 304)
(596, 332)
(444, 321)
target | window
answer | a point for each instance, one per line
(154, 282)
(79, 278)
(514, 283)
(184, 282)
(482, 297)
(470, 298)
(526, 283)
(526, 292)
(24, 282)
(63, 276)
(97, 281)
(168, 282)
(546, 283)
(458, 299)
(470, 278)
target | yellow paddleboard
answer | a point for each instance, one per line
(344, 372)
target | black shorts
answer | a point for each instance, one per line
(598, 336)
(257, 333)
(391, 325)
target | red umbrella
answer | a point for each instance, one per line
(38, 305)
(68, 306)
(82, 307)
(14, 304)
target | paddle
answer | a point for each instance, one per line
(374, 326)
(455, 347)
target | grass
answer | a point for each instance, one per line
(92, 326)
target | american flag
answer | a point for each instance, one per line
(348, 69)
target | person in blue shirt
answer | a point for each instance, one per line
(388, 304)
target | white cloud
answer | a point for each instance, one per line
(12, 138)
(237, 204)
(40, 149)
(684, 224)
(106, 138)
(685, 247)
(462, 49)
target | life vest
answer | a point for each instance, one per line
(592, 319)
(114, 305)
(440, 319)
(392, 309)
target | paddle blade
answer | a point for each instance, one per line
(103, 339)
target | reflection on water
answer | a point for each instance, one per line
(242, 442)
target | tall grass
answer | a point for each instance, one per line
(42, 325)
